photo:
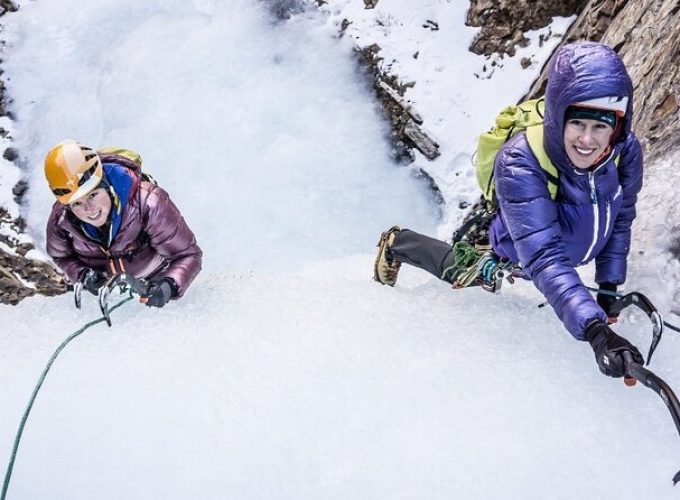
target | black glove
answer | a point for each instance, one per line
(92, 280)
(160, 292)
(608, 347)
(605, 301)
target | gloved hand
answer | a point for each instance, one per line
(92, 280)
(160, 292)
(608, 347)
(605, 301)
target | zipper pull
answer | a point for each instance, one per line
(593, 193)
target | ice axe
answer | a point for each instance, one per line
(651, 380)
(125, 282)
(635, 372)
(644, 304)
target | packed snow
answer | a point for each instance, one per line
(286, 372)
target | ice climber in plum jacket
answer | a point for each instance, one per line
(586, 130)
(108, 220)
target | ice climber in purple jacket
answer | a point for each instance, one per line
(108, 220)
(586, 131)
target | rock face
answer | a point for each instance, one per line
(646, 34)
(20, 276)
(504, 22)
(7, 6)
(405, 121)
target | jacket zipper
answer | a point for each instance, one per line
(608, 218)
(596, 216)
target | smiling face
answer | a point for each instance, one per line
(94, 208)
(586, 140)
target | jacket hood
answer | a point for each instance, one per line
(580, 72)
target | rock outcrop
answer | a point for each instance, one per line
(504, 22)
(20, 275)
(405, 121)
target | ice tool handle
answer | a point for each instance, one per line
(78, 288)
(651, 380)
(123, 281)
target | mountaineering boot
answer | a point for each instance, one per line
(386, 268)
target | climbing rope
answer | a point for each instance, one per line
(474, 266)
(17, 440)
(465, 257)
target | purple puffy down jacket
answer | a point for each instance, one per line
(152, 241)
(592, 215)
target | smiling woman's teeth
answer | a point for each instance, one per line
(584, 151)
(95, 216)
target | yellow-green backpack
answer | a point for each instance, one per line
(526, 116)
(130, 155)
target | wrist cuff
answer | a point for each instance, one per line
(173, 286)
(594, 328)
(609, 287)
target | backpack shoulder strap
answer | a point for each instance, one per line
(535, 140)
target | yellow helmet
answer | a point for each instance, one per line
(72, 171)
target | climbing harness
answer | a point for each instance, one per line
(475, 227)
(473, 267)
(474, 261)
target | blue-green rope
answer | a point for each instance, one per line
(17, 440)
(465, 258)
